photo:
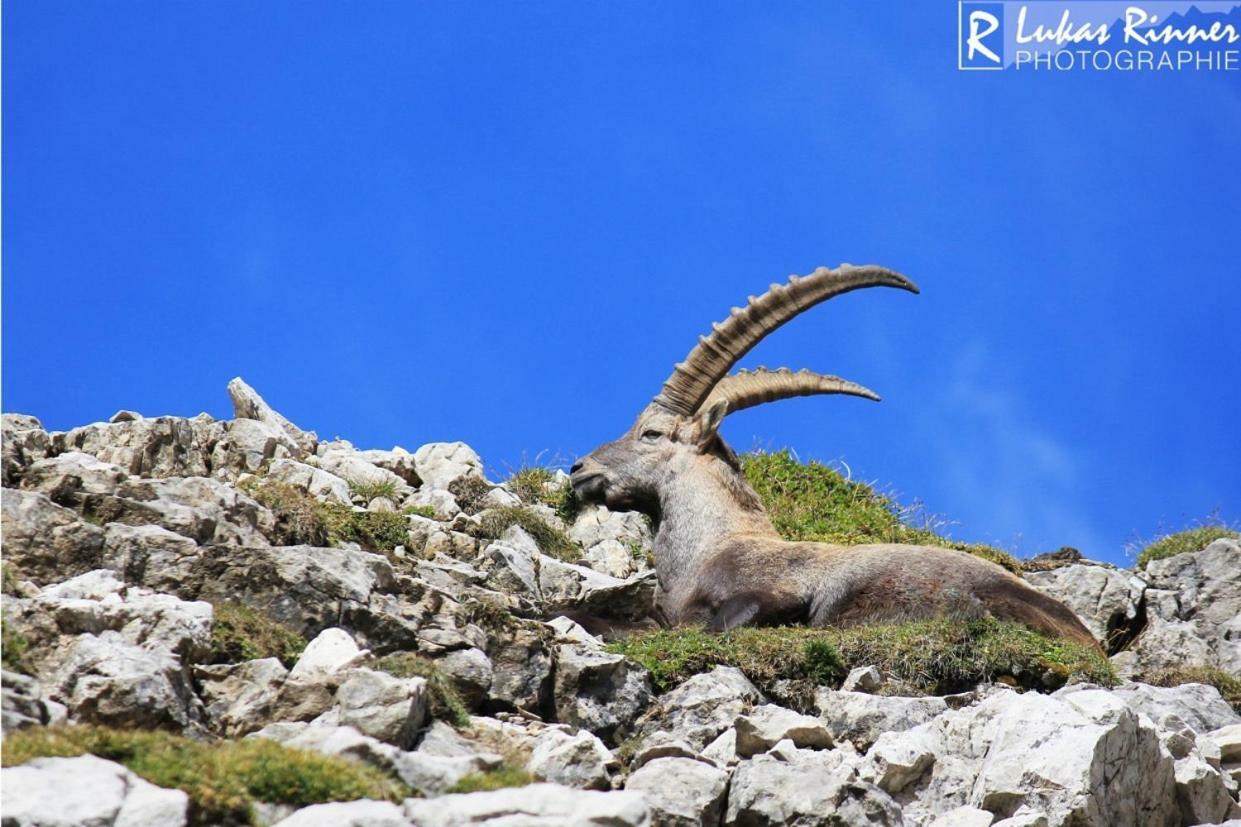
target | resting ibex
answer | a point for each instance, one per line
(718, 559)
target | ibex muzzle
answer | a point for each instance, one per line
(718, 559)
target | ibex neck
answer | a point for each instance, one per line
(698, 510)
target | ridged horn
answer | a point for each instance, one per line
(692, 380)
(745, 389)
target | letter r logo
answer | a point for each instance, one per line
(980, 35)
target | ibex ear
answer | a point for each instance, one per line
(707, 423)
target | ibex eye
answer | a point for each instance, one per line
(651, 434)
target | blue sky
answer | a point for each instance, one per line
(503, 223)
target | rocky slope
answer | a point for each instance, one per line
(162, 573)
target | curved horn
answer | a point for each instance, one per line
(692, 380)
(745, 389)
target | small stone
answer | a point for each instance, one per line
(863, 679)
(332, 650)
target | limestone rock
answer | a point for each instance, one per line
(862, 679)
(247, 404)
(597, 690)
(613, 542)
(314, 481)
(332, 650)
(681, 792)
(766, 725)
(861, 718)
(702, 707)
(164, 446)
(1196, 595)
(768, 791)
(45, 541)
(23, 705)
(547, 805)
(240, 697)
(348, 814)
(88, 791)
(383, 706)
(148, 554)
(579, 760)
(23, 441)
(243, 445)
(440, 464)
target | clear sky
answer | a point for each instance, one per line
(504, 222)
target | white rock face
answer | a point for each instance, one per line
(1084, 759)
(347, 814)
(331, 650)
(88, 791)
(1193, 597)
(579, 760)
(861, 718)
(597, 690)
(701, 708)
(45, 540)
(382, 706)
(440, 464)
(767, 725)
(349, 465)
(546, 805)
(811, 789)
(322, 484)
(247, 404)
(615, 543)
(241, 697)
(165, 446)
(681, 792)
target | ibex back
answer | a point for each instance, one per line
(718, 559)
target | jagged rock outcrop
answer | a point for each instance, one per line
(436, 655)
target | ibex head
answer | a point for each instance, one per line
(679, 428)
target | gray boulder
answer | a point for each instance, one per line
(546, 805)
(1103, 598)
(314, 481)
(247, 404)
(383, 706)
(816, 789)
(45, 541)
(765, 726)
(681, 792)
(87, 792)
(348, 814)
(613, 542)
(22, 441)
(440, 464)
(240, 697)
(163, 446)
(576, 760)
(860, 718)
(597, 690)
(701, 708)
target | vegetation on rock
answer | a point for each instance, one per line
(809, 501)
(505, 775)
(303, 519)
(1229, 686)
(1181, 542)
(552, 541)
(240, 632)
(535, 484)
(223, 779)
(367, 491)
(443, 700)
(931, 656)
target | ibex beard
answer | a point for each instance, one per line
(718, 559)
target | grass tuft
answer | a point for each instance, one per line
(367, 491)
(470, 493)
(239, 633)
(933, 656)
(505, 775)
(427, 511)
(13, 648)
(809, 501)
(301, 519)
(552, 540)
(223, 779)
(535, 484)
(1181, 542)
(443, 701)
(1228, 685)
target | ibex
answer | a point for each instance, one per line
(718, 560)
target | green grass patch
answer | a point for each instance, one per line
(809, 501)
(13, 647)
(8, 579)
(1229, 686)
(535, 484)
(367, 491)
(505, 775)
(443, 701)
(419, 511)
(933, 656)
(1193, 539)
(223, 779)
(552, 540)
(240, 633)
(302, 519)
